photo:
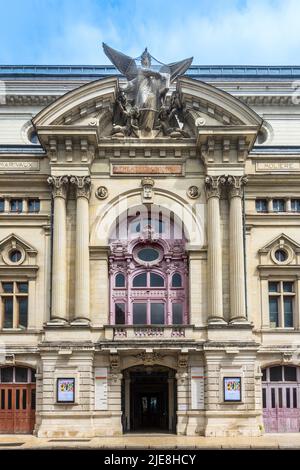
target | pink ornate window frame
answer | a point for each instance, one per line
(172, 260)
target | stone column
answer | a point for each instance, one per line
(59, 186)
(215, 292)
(82, 259)
(236, 249)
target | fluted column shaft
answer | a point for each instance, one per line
(82, 262)
(59, 261)
(215, 288)
(236, 237)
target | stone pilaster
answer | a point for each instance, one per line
(213, 185)
(59, 186)
(82, 262)
(236, 249)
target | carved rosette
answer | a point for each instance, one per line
(236, 185)
(213, 185)
(82, 185)
(59, 185)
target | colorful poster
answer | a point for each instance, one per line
(232, 388)
(65, 390)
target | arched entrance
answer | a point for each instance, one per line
(17, 400)
(281, 398)
(149, 399)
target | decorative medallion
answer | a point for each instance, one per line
(193, 192)
(101, 192)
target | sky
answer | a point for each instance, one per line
(214, 32)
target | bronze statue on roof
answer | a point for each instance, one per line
(148, 83)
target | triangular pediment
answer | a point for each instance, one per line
(280, 241)
(14, 241)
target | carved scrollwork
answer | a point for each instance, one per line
(213, 185)
(59, 185)
(82, 185)
(236, 185)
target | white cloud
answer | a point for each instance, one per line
(261, 32)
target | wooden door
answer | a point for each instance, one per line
(17, 408)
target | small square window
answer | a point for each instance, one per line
(7, 287)
(261, 205)
(278, 205)
(288, 287)
(276, 374)
(295, 205)
(16, 205)
(1, 205)
(273, 286)
(33, 205)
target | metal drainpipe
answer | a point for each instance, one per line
(245, 258)
(51, 250)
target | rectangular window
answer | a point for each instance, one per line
(264, 398)
(261, 205)
(157, 312)
(16, 205)
(288, 312)
(14, 299)
(33, 205)
(120, 314)
(281, 304)
(139, 314)
(177, 314)
(276, 374)
(278, 205)
(273, 310)
(295, 205)
(1, 205)
(288, 398)
(23, 311)
(290, 374)
(8, 312)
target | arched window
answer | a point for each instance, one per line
(120, 280)
(155, 264)
(176, 280)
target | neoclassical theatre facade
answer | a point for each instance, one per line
(149, 250)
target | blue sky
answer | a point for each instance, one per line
(213, 31)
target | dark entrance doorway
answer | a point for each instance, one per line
(17, 400)
(150, 406)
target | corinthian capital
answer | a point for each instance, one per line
(213, 185)
(59, 185)
(82, 185)
(236, 185)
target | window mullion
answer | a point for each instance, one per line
(281, 324)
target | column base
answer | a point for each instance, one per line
(57, 322)
(239, 320)
(214, 320)
(80, 322)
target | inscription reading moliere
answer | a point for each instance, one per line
(278, 166)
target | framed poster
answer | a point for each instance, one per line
(65, 390)
(232, 388)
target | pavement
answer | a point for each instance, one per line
(155, 441)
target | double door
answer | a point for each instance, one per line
(17, 408)
(281, 407)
